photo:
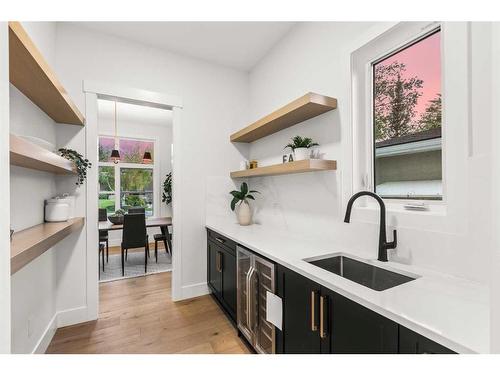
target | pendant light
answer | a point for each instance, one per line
(115, 154)
(147, 159)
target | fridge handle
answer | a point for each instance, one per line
(248, 291)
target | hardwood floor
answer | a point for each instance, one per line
(137, 316)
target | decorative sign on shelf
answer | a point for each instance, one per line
(287, 158)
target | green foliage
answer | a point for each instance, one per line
(395, 99)
(134, 201)
(299, 142)
(241, 195)
(136, 179)
(81, 164)
(119, 213)
(106, 178)
(166, 196)
(104, 153)
(431, 118)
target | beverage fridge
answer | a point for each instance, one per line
(255, 277)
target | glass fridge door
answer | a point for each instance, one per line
(244, 271)
(264, 331)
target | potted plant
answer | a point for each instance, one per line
(301, 147)
(81, 163)
(117, 217)
(241, 197)
(166, 196)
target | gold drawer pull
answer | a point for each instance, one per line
(314, 326)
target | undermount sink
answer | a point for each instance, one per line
(361, 272)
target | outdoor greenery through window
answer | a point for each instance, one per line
(407, 121)
(131, 178)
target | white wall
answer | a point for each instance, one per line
(5, 326)
(155, 124)
(42, 294)
(214, 99)
(33, 288)
(495, 143)
(316, 57)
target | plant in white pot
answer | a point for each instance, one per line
(301, 147)
(240, 198)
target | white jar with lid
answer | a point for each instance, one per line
(56, 210)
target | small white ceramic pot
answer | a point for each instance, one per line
(244, 213)
(302, 153)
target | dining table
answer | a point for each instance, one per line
(150, 223)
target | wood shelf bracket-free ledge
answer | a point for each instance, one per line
(304, 108)
(29, 155)
(33, 76)
(32, 242)
(301, 166)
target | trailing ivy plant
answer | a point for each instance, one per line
(299, 142)
(241, 195)
(166, 196)
(81, 163)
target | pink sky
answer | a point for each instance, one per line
(423, 60)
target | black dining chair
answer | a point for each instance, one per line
(134, 236)
(136, 210)
(164, 237)
(103, 234)
(101, 251)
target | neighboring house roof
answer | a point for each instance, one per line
(410, 138)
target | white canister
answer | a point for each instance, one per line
(55, 210)
(70, 200)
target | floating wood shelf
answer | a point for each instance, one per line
(304, 108)
(29, 155)
(300, 166)
(30, 243)
(31, 74)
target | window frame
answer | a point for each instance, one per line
(154, 166)
(418, 38)
(397, 38)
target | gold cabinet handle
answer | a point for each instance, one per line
(314, 326)
(322, 325)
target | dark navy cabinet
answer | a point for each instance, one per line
(221, 271)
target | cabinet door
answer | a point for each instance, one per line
(412, 343)
(357, 330)
(228, 265)
(214, 273)
(300, 297)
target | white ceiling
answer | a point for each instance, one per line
(131, 113)
(239, 45)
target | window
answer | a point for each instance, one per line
(131, 178)
(406, 119)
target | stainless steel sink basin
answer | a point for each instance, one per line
(361, 272)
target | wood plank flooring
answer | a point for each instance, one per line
(137, 316)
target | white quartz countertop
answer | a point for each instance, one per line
(451, 311)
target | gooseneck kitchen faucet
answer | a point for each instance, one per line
(383, 245)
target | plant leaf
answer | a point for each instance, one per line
(250, 197)
(233, 203)
(244, 188)
(254, 191)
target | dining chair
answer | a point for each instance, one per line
(103, 234)
(164, 237)
(134, 236)
(101, 251)
(136, 210)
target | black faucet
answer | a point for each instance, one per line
(383, 245)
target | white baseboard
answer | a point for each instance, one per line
(44, 342)
(194, 290)
(60, 319)
(72, 316)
